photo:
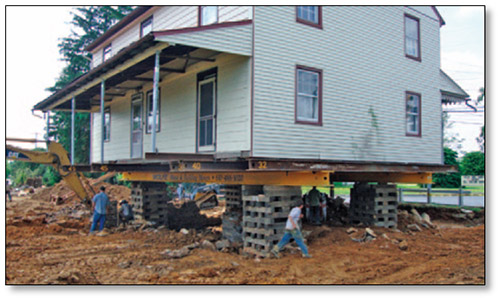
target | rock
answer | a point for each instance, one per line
(416, 215)
(234, 264)
(403, 212)
(125, 264)
(193, 245)
(385, 236)
(179, 253)
(426, 218)
(459, 216)
(403, 245)
(466, 211)
(370, 232)
(414, 227)
(184, 231)
(208, 245)
(351, 230)
(222, 244)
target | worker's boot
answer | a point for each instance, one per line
(275, 251)
(306, 256)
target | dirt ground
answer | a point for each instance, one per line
(49, 244)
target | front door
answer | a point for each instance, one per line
(206, 114)
(136, 126)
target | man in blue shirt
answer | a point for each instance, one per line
(99, 203)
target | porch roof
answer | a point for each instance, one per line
(451, 92)
(128, 70)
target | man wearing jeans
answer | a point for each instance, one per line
(292, 230)
(99, 203)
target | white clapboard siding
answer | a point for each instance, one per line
(166, 18)
(118, 147)
(365, 71)
(178, 112)
(236, 39)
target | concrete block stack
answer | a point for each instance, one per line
(265, 216)
(149, 201)
(111, 215)
(232, 217)
(374, 205)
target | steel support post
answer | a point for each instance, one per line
(47, 137)
(73, 130)
(156, 79)
(103, 93)
(429, 189)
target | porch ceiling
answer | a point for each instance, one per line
(87, 88)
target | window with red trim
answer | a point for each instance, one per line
(309, 15)
(412, 37)
(147, 26)
(308, 96)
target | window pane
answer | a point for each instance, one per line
(207, 99)
(208, 15)
(146, 27)
(202, 133)
(412, 113)
(412, 37)
(307, 108)
(308, 13)
(308, 83)
(209, 132)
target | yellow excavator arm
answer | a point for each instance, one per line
(56, 156)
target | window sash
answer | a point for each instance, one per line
(106, 53)
(308, 96)
(412, 37)
(149, 112)
(209, 15)
(413, 113)
(308, 13)
(146, 26)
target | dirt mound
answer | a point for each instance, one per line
(62, 191)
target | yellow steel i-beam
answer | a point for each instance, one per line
(311, 178)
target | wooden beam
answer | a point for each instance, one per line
(172, 70)
(141, 79)
(188, 57)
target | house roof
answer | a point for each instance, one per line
(136, 13)
(441, 20)
(451, 92)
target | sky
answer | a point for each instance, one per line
(33, 64)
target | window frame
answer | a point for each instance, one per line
(107, 111)
(319, 122)
(106, 50)
(307, 22)
(146, 111)
(419, 116)
(200, 15)
(419, 57)
(146, 23)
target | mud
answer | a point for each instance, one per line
(49, 244)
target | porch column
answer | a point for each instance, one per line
(73, 130)
(103, 92)
(156, 79)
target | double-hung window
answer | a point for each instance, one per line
(412, 37)
(149, 112)
(147, 26)
(208, 15)
(106, 53)
(107, 124)
(310, 15)
(308, 96)
(413, 114)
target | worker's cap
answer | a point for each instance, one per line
(123, 201)
(102, 188)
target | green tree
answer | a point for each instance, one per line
(89, 23)
(482, 136)
(448, 180)
(472, 163)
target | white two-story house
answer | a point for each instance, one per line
(339, 83)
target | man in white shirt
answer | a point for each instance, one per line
(292, 230)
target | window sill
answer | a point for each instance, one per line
(316, 25)
(319, 123)
(413, 134)
(419, 59)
